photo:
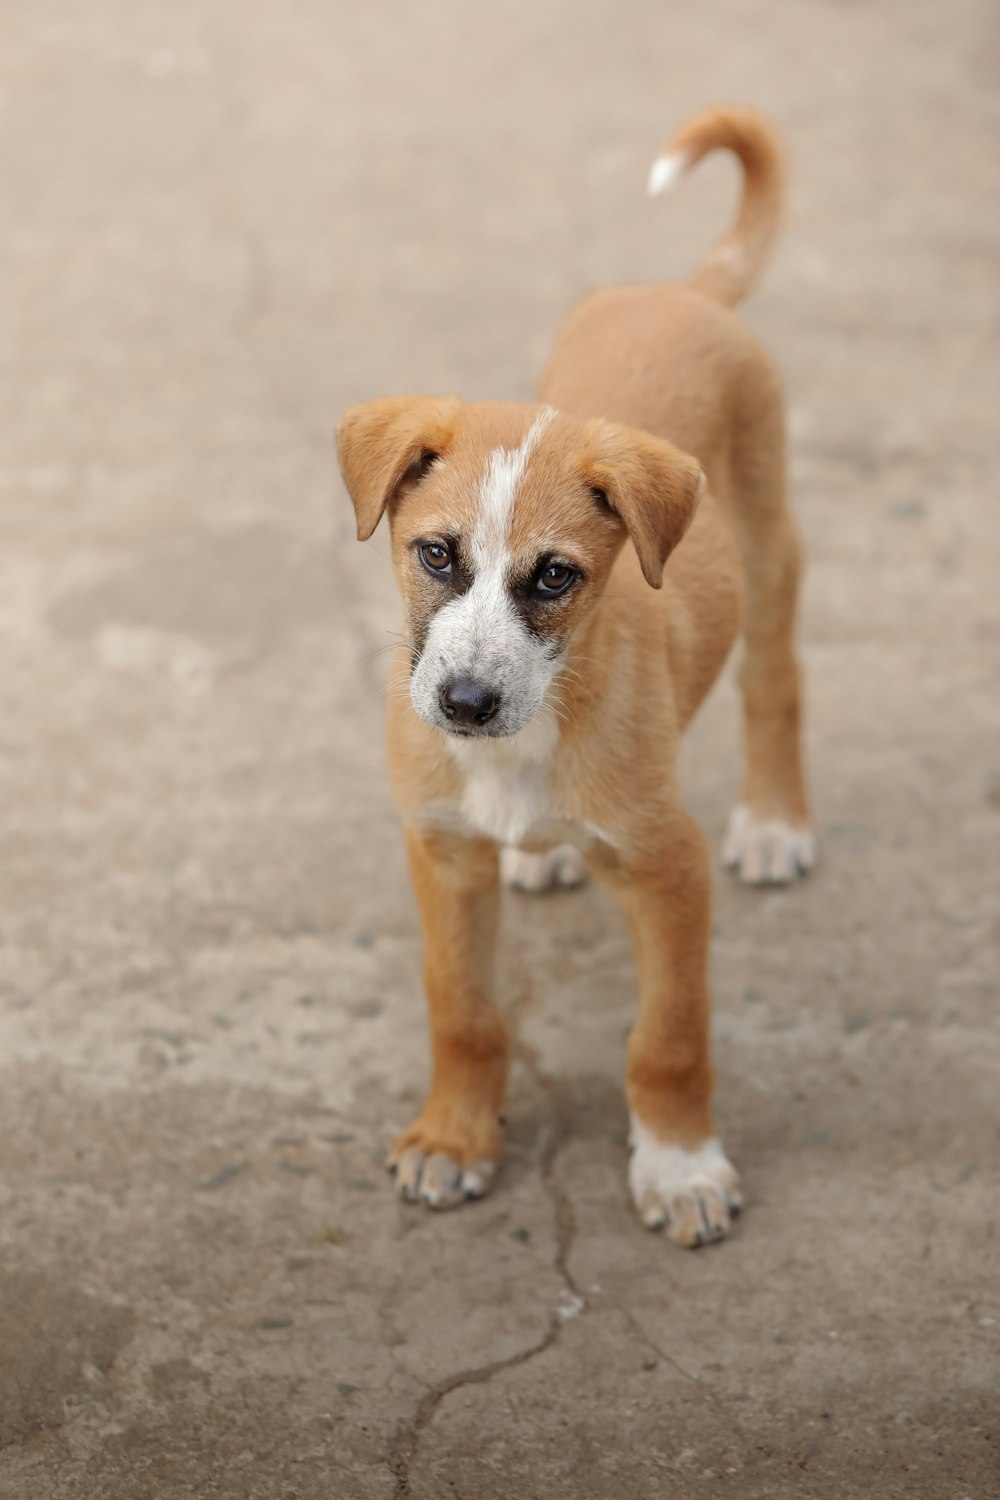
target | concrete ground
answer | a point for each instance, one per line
(224, 223)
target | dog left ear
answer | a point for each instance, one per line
(650, 484)
(384, 446)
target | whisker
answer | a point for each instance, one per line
(381, 651)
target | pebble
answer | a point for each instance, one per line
(222, 1176)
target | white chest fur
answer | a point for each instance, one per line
(506, 781)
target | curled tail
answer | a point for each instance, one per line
(741, 255)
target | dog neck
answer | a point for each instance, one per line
(505, 782)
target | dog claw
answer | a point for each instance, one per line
(436, 1179)
(766, 851)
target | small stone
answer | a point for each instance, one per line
(365, 1010)
(222, 1176)
(172, 1373)
(908, 510)
(571, 1304)
(276, 1323)
(521, 1235)
(333, 1234)
(95, 1378)
(346, 1388)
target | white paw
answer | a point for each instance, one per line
(437, 1180)
(694, 1194)
(526, 871)
(766, 851)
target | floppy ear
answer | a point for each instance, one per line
(650, 484)
(385, 445)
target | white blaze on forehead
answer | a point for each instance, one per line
(498, 490)
(486, 615)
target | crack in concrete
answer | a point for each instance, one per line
(529, 1057)
(404, 1448)
(407, 1441)
(562, 1209)
(712, 1398)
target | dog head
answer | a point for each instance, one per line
(506, 521)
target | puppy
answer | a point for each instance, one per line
(574, 576)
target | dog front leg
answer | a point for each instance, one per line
(452, 1149)
(679, 1174)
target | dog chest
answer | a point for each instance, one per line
(505, 802)
(505, 791)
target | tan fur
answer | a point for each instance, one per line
(740, 256)
(640, 377)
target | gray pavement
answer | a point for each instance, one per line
(223, 224)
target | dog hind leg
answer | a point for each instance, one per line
(768, 839)
(560, 868)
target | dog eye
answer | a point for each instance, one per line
(554, 580)
(436, 558)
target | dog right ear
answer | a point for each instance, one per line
(383, 446)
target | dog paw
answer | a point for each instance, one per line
(435, 1170)
(693, 1195)
(439, 1181)
(766, 851)
(523, 870)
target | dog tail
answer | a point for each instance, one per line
(741, 255)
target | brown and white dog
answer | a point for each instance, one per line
(549, 670)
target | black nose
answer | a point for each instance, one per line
(466, 701)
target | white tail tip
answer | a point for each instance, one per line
(665, 171)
